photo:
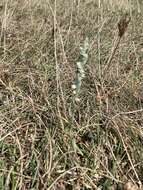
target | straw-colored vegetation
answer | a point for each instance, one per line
(49, 141)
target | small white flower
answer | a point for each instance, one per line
(73, 86)
(77, 99)
(74, 92)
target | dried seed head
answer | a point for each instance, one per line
(123, 24)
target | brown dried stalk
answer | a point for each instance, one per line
(122, 27)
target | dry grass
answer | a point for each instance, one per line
(46, 140)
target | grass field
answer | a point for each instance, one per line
(49, 141)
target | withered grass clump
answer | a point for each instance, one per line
(42, 146)
(130, 186)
